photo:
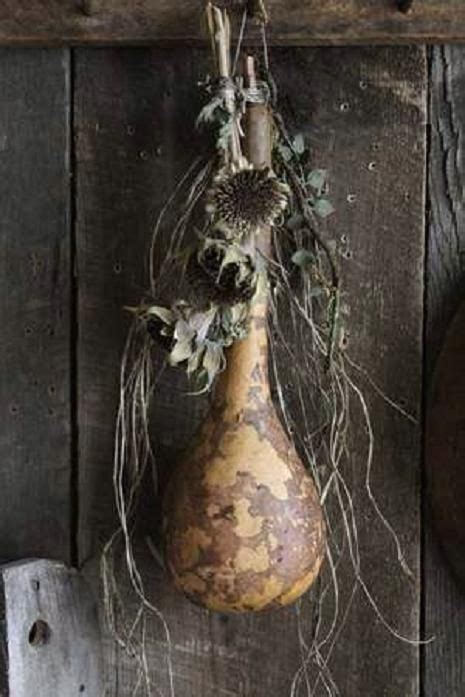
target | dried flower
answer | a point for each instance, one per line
(243, 200)
(221, 273)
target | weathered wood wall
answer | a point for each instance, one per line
(92, 141)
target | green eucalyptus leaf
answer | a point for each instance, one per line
(285, 152)
(299, 144)
(303, 258)
(316, 291)
(323, 207)
(318, 180)
(295, 222)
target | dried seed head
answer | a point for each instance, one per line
(213, 280)
(246, 200)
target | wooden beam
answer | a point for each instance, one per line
(33, 22)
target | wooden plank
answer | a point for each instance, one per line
(364, 112)
(134, 119)
(49, 632)
(444, 664)
(35, 278)
(296, 23)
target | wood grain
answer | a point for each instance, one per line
(292, 23)
(49, 632)
(364, 114)
(35, 281)
(444, 664)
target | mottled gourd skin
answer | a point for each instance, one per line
(243, 525)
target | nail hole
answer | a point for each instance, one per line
(363, 84)
(345, 106)
(51, 411)
(118, 267)
(143, 154)
(35, 585)
(14, 409)
(344, 239)
(130, 130)
(40, 633)
(82, 688)
(28, 331)
(372, 166)
(348, 254)
(351, 198)
(52, 390)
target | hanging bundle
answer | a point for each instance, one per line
(242, 522)
(261, 496)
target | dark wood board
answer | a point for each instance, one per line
(293, 22)
(35, 281)
(445, 446)
(444, 664)
(364, 113)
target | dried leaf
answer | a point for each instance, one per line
(183, 332)
(212, 362)
(194, 362)
(167, 316)
(182, 351)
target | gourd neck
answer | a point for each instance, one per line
(245, 378)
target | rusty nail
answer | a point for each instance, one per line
(405, 6)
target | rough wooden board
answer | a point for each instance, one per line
(35, 278)
(296, 23)
(49, 632)
(444, 664)
(365, 112)
(134, 115)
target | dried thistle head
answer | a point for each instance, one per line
(243, 200)
(221, 273)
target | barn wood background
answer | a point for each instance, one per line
(91, 142)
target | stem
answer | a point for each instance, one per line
(220, 34)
